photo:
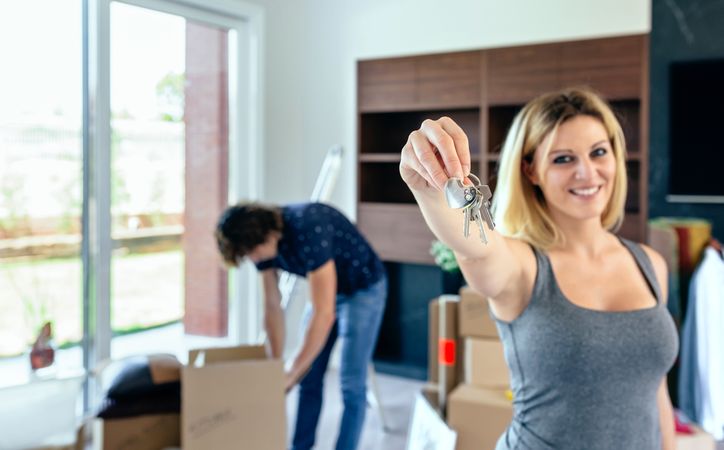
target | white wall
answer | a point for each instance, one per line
(312, 47)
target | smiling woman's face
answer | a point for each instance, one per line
(577, 174)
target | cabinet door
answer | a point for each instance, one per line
(611, 66)
(518, 74)
(451, 80)
(386, 85)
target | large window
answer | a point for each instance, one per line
(114, 165)
(40, 177)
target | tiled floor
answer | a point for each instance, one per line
(397, 396)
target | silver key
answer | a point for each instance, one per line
(459, 196)
(482, 211)
(466, 222)
(485, 206)
(479, 223)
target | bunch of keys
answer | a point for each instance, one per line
(474, 201)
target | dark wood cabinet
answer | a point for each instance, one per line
(445, 81)
(386, 85)
(515, 75)
(612, 66)
(483, 91)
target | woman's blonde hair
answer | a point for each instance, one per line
(519, 206)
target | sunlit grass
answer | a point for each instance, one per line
(147, 290)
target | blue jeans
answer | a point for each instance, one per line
(358, 322)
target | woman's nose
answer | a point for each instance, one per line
(584, 169)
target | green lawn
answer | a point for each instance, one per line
(147, 290)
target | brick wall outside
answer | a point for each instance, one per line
(207, 149)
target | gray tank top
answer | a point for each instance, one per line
(582, 378)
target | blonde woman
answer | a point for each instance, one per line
(581, 312)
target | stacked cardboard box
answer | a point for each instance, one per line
(466, 360)
(699, 440)
(444, 346)
(480, 409)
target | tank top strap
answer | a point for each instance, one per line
(544, 284)
(645, 265)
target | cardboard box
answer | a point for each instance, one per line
(474, 317)
(485, 364)
(444, 350)
(449, 306)
(233, 395)
(149, 432)
(428, 430)
(700, 440)
(478, 416)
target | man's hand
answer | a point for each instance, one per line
(290, 380)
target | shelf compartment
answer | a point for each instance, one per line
(380, 131)
(380, 182)
(628, 115)
(500, 118)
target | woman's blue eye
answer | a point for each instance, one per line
(600, 151)
(562, 159)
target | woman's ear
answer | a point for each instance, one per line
(530, 172)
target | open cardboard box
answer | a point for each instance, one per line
(231, 397)
(428, 429)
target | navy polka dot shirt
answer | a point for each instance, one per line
(313, 234)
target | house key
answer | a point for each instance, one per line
(474, 201)
(481, 211)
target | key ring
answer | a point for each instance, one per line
(476, 183)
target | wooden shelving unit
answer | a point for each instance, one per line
(482, 91)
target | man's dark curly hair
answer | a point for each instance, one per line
(244, 226)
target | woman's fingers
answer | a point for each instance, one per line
(410, 167)
(414, 164)
(445, 144)
(460, 139)
(426, 154)
(437, 151)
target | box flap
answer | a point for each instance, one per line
(222, 354)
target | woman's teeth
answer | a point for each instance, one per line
(586, 192)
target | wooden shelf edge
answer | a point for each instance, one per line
(379, 157)
(422, 108)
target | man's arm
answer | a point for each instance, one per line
(273, 314)
(323, 289)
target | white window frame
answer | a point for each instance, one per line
(245, 23)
